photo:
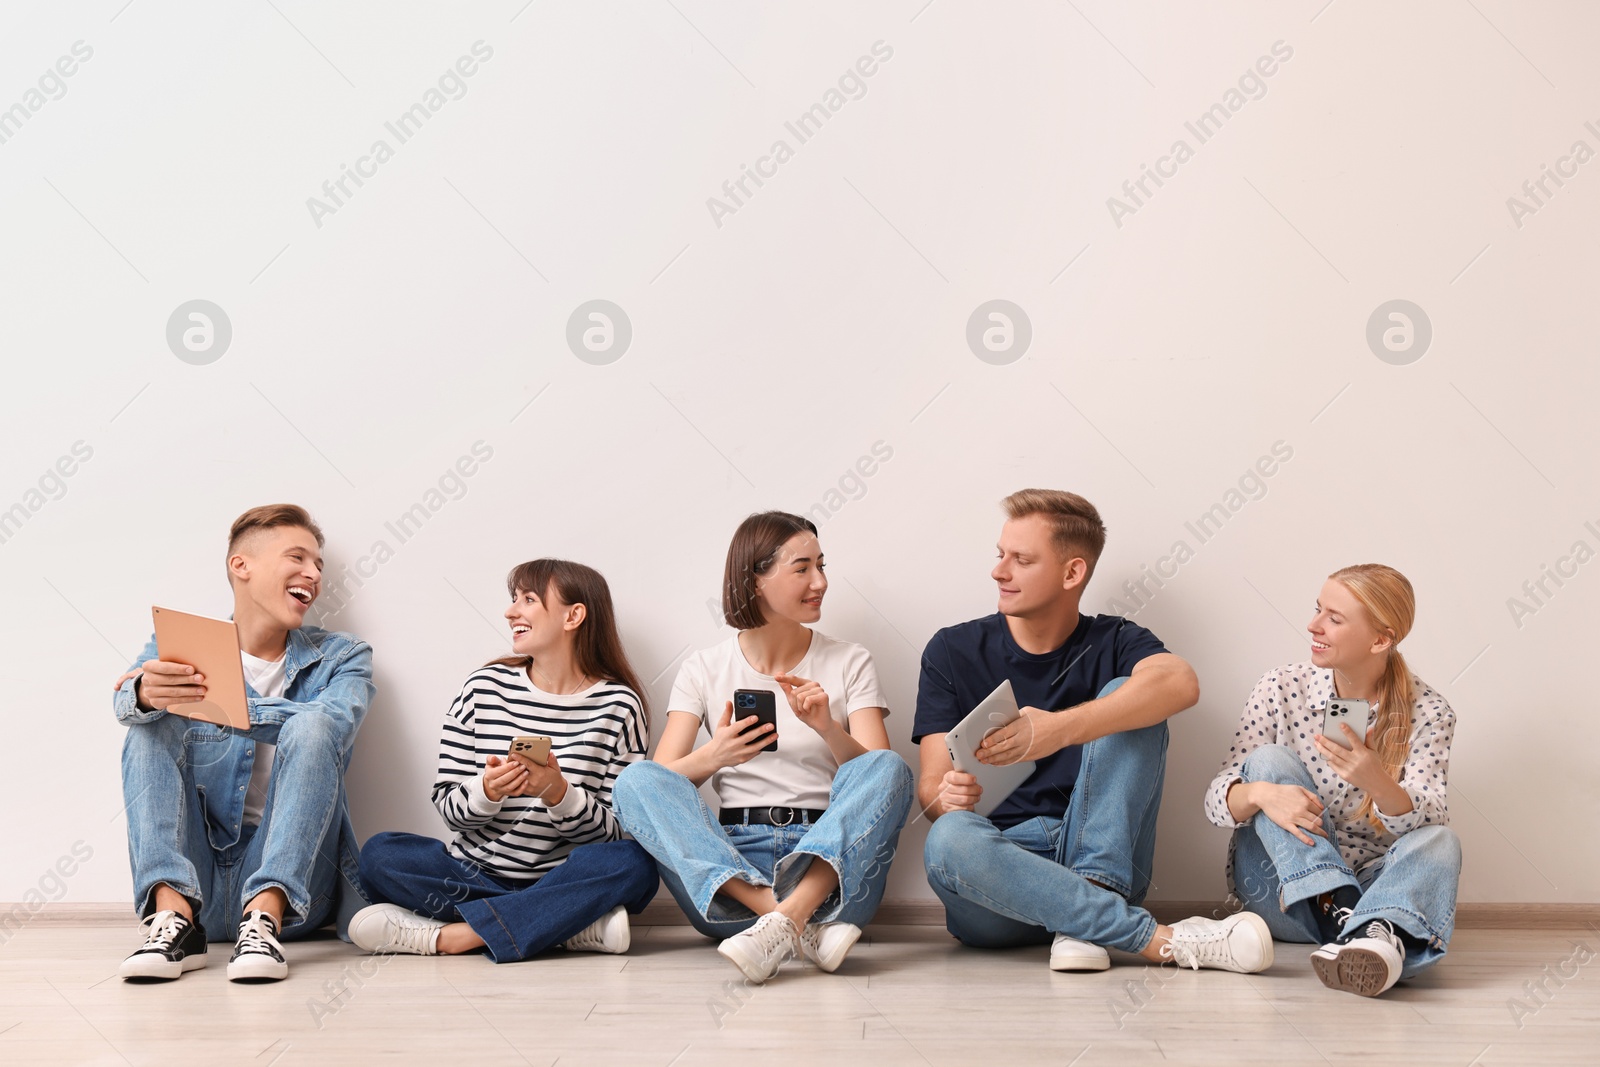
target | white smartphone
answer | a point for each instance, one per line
(1347, 711)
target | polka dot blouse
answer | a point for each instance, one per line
(1286, 709)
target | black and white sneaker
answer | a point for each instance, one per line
(257, 956)
(1365, 963)
(171, 946)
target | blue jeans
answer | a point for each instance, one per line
(1276, 875)
(515, 919)
(1029, 882)
(856, 836)
(295, 848)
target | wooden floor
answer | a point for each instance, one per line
(906, 995)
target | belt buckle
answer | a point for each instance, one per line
(771, 814)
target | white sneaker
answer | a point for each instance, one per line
(609, 933)
(257, 956)
(1241, 942)
(1366, 964)
(1070, 954)
(827, 944)
(386, 928)
(761, 950)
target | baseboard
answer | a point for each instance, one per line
(663, 911)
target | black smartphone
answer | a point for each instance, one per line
(761, 703)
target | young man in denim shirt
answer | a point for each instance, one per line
(1065, 859)
(247, 830)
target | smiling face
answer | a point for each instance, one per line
(794, 585)
(541, 621)
(1030, 573)
(1343, 636)
(279, 571)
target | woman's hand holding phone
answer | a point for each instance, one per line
(545, 780)
(733, 743)
(1358, 764)
(503, 778)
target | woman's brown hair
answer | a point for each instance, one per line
(752, 553)
(1391, 605)
(597, 648)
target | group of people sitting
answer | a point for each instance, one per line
(246, 833)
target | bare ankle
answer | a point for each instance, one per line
(1158, 941)
(456, 938)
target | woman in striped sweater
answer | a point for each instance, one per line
(537, 859)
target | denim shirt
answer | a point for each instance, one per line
(325, 673)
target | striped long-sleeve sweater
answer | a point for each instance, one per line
(594, 735)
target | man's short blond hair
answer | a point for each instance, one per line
(1075, 526)
(270, 516)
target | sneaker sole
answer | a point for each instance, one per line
(834, 959)
(250, 970)
(746, 965)
(160, 970)
(1355, 971)
(1080, 963)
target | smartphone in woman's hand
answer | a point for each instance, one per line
(761, 703)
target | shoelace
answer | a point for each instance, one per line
(774, 934)
(166, 927)
(256, 934)
(412, 935)
(590, 937)
(1191, 950)
(1380, 930)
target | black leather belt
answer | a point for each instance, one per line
(773, 816)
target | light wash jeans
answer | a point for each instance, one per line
(856, 836)
(1025, 884)
(1276, 874)
(296, 847)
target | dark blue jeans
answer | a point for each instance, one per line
(515, 919)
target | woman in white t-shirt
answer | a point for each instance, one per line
(832, 790)
(1346, 843)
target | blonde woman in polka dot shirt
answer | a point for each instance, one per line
(1346, 846)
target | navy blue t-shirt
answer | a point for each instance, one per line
(962, 664)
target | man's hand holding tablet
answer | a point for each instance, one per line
(162, 684)
(986, 773)
(1032, 735)
(958, 791)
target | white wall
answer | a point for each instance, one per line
(828, 312)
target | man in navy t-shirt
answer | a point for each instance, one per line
(1066, 857)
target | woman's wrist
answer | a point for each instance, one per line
(1241, 800)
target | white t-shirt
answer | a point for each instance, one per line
(266, 677)
(801, 771)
